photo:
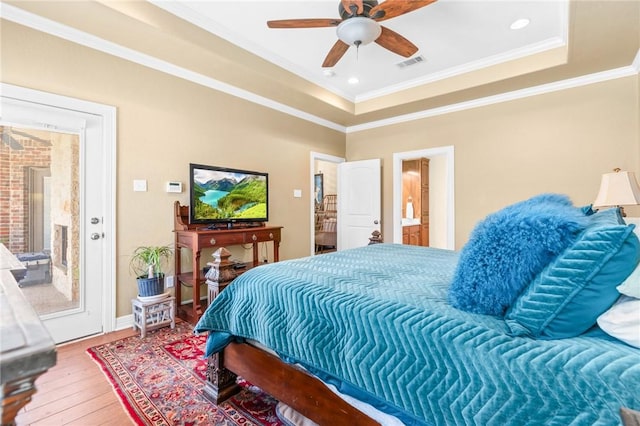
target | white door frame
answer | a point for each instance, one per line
(312, 169)
(108, 116)
(398, 157)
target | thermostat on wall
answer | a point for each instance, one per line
(174, 186)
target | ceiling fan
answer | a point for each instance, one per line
(359, 25)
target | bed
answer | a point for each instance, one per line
(378, 324)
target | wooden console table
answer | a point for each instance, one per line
(27, 349)
(195, 237)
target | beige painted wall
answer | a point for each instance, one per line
(329, 172)
(165, 123)
(560, 142)
(556, 142)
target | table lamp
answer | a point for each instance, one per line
(618, 189)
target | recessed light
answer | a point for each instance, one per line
(519, 24)
(353, 80)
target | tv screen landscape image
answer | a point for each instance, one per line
(222, 195)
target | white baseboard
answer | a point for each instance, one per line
(124, 322)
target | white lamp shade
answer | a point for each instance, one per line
(358, 29)
(618, 189)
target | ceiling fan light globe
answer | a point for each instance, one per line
(358, 29)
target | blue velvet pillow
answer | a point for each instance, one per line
(509, 248)
(567, 297)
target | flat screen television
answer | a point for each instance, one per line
(221, 196)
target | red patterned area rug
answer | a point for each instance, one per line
(159, 381)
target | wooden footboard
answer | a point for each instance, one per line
(285, 382)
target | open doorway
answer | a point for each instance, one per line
(440, 201)
(324, 213)
(415, 202)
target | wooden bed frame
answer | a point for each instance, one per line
(285, 382)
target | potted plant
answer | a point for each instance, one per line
(146, 263)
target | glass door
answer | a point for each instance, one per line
(52, 179)
(43, 227)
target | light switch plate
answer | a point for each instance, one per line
(140, 185)
(297, 193)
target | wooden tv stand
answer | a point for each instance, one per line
(195, 237)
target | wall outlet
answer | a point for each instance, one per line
(168, 281)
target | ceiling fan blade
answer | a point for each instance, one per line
(359, 7)
(335, 54)
(303, 23)
(393, 8)
(394, 42)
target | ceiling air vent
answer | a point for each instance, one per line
(411, 61)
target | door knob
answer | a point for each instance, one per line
(95, 236)
(95, 220)
(375, 222)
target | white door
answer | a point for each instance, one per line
(66, 267)
(358, 202)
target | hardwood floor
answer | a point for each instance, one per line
(76, 391)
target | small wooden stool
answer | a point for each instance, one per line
(152, 315)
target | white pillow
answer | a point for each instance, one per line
(631, 285)
(622, 320)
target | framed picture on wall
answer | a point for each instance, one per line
(318, 190)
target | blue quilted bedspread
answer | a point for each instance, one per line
(376, 320)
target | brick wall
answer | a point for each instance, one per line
(5, 204)
(14, 190)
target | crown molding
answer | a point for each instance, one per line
(39, 23)
(65, 32)
(188, 14)
(543, 46)
(570, 83)
(181, 10)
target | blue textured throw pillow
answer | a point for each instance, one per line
(567, 297)
(509, 248)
